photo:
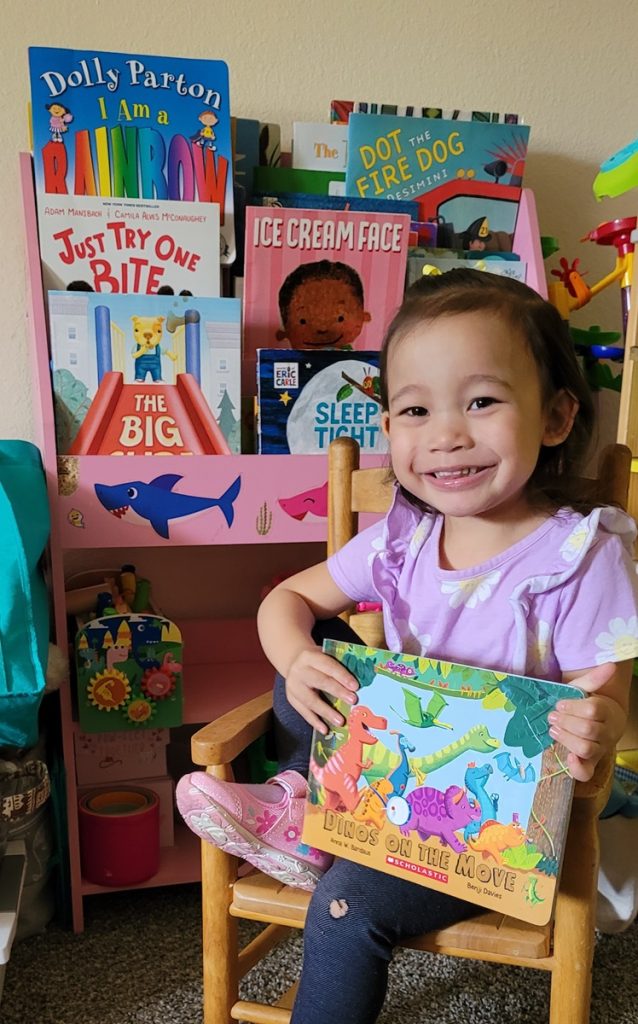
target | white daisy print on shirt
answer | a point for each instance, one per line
(620, 643)
(538, 648)
(473, 591)
(412, 642)
(377, 547)
(419, 535)
(575, 542)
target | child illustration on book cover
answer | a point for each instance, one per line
(322, 306)
(321, 279)
(448, 776)
(59, 119)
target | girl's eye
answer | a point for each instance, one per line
(482, 403)
(415, 410)
(302, 322)
(341, 319)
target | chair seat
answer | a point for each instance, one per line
(492, 936)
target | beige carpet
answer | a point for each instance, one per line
(138, 962)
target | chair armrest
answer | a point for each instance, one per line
(599, 785)
(221, 741)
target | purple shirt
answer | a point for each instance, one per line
(563, 599)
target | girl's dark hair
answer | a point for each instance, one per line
(555, 480)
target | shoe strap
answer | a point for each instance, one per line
(292, 782)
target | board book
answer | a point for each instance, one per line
(321, 279)
(307, 399)
(134, 126)
(424, 263)
(340, 111)
(405, 157)
(145, 374)
(129, 673)
(446, 775)
(129, 245)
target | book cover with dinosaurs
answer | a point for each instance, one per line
(446, 775)
(135, 126)
(145, 374)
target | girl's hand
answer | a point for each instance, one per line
(310, 672)
(591, 728)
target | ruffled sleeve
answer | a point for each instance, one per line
(370, 566)
(406, 530)
(598, 617)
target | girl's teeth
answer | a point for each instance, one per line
(449, 473)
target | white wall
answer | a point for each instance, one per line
(566, 65)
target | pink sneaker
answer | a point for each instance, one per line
(266, 834)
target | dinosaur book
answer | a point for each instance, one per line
(446, 775)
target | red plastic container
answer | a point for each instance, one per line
(119, 835)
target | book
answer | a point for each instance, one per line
(145, 374)
(129, 245)
(133, 126)
(401, 158)
(271, 180)
(317, 146)
(454, 781)
(423, 263)
(320, 279)
(475, 216)
(307, 201)
(340, 111)
(306, 399)
(129, 673)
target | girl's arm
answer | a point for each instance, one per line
(285, 621)
(591, 728)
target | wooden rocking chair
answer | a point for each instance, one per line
(565, 947)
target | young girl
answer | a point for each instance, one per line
(486, 557)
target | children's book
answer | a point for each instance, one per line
(340, 111)
(129, 245)
(271, 181)
(405, 157)
(129, 673)
(145, 374)
(307, 201)
(321, 279)
(474, 216)
(132, 126)
(446, 775)
(307, 399)
(317, 146)
(419, 264)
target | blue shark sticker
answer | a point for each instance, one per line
(156, 502)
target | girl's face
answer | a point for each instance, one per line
(466, 418)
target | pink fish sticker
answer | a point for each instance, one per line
(315, 500)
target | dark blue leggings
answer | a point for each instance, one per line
(356, 915)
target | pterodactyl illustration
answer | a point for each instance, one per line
(417, 716)
(512, 768)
